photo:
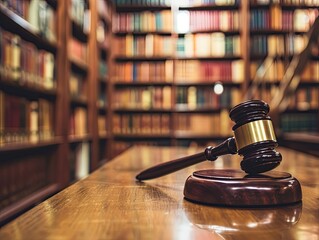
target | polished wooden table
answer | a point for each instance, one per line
(111, 204)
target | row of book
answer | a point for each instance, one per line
(78, 51)
(143, 2)
(38, 13)
(149, 45)
(278, 19)
(192, 21)
(289, 2)
(143, 21)
(273, 45)
(204, 97)
(184, 3)
(187, 98)
(273, 73)
(209, 71)
(24, 120)
(80, 13)
(190, 3)
(276, 70)
(161, 71)
(311, 72)
(141, 123)
(299, 122)
(143, 98)
(218, 124)
(208, 44)
(78, 123)
(305, 98)
(22, 61)
(23, 176)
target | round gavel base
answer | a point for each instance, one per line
(235, 188)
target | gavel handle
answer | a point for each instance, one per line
(210, 153)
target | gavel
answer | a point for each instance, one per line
(254, 139)
(256, 185)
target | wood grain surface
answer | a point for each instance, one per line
(111, 204)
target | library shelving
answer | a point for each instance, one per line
(278, 31)
(53, 97)
(29, 143)
(208, 46)
(142, 75)
(100, 71)
(170, 62)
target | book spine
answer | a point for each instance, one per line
(22, 62)
(143, 123)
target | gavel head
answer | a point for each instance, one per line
(255, 137)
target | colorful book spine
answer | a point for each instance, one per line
(277, 18)
(196, 97)
(208, 71)
(78, 122)
(211, 20)
(203, 124)
(78, 51)
(141, 123)
(299, 122)
(214, 44)
(148, 45)
(24, 120)
(143, 98)
(22, 62)
(38, 13)
(143, 2)
(143, 71)
(160, 21)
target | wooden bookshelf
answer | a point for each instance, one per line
(281, 32)
(50, 98)
(268, 28)
(101, 42)
(28, 97)
(150, 60)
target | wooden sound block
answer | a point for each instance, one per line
(235, 188)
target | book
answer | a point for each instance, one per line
(78, 50)
(78, 122)
(34, 121)
(82, 162)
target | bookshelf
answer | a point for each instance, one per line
(54, 96)
(203, 50)
(142, 75)
(166, 66)
(28, 99)
(101, 42)
(279, 31)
